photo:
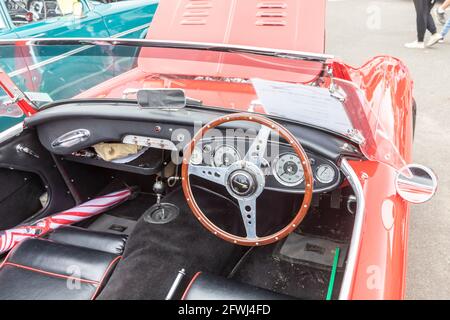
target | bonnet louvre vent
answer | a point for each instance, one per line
(271, 14)
(196, 12)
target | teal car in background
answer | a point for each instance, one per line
(75, 18)
(21, 19)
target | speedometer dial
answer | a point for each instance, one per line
(225, 156)
(288, 170)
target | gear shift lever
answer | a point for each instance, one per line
(159, 189)
(160, 213)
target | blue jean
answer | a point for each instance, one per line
(446, 28)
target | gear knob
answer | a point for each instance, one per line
(159, 187)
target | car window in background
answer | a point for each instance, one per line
(24, 12)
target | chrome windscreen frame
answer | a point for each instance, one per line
(220, 47)
(347, 282)
(11, 132)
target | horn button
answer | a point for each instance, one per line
(242, 183)
(245, 180)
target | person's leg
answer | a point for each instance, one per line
(440, 11)
(431, 26)
(439, 36)
(445, 5)
(446, 29)
(421, 21)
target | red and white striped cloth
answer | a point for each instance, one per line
(10, 238)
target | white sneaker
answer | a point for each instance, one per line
(435, 38)
(415, 45)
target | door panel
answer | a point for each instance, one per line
(19, 197)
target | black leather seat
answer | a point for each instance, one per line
(72, 264)
(209, 287)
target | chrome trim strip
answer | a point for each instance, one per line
(127, 32)
(69, 53)
(353, 252)
(287, 54)
(11, 132)
(47, 62)
(150, 142)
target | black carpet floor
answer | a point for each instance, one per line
(155, 253)
(134, 209)
(263, 269)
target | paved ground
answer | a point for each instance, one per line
(359, 29)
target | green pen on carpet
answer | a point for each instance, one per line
(333, 274)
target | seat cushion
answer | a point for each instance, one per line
(45, 270)
(102, 241)
(209, 287)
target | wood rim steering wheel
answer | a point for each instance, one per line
(248, 169)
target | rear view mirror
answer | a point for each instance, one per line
(161, 98)
(416, 184)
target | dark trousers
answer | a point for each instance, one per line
(424, 18)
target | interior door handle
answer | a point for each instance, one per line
(71, 138)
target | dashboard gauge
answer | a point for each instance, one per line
(325, 174)
(288, 170)
(197, 156)
(225, 156)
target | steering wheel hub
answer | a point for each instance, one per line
(244, 180)
(242, 183)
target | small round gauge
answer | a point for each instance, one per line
(225, 156)
(288, 170)
(325, 174)
(197, 156)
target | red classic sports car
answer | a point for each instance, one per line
(225, 157)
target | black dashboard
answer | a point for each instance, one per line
(69, 129)
(281, 166)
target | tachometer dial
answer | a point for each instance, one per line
(225, 156)
(288, 170)
(325, 174)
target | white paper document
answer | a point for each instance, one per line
(306, 104)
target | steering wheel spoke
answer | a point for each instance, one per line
(258, 148)
(248, 212)
(213, 174)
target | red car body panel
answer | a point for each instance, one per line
(380, 268)
(381, 265)
(288, 24)
(380, 271)
(280, 24)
